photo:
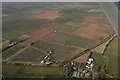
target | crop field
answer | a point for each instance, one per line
(68, 30)
(99, 59)
(61, 52)
(41, 72)
(65, 28)
(13, 71)
(70, 14)
(10, 71)
(15, 25)
(7, 53)
(30, 55)
(71, 40)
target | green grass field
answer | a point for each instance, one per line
(11, 51)
(112, 54)
(60, 51)
(41, 72)
(71, 40)
(68, 28)
(66, 17)
(99, 59)
(13, 71)
(71, 14)
(14, 25)
(30, 55)
(10, 71)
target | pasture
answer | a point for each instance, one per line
(30, 55)
(112, 54)
(12, 50)
(72, 40)
(61, 52)
(15, 25)
(14, 71)
(99, 59)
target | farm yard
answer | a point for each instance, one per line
(66, 31)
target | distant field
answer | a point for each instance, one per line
(68, 27)
(69, 15)
(14, 25)
(13, 71)
(112, 54)
(50, 15)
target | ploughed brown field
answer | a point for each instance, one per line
(37, 34)
(93, 28)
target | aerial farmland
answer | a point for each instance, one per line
(40, 40)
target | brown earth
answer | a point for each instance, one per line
(90, 32)
(93, 28)
(96, 20)
(83, 58)
(67, 56)
(38, 33)
(22, 38)
(47, 15)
